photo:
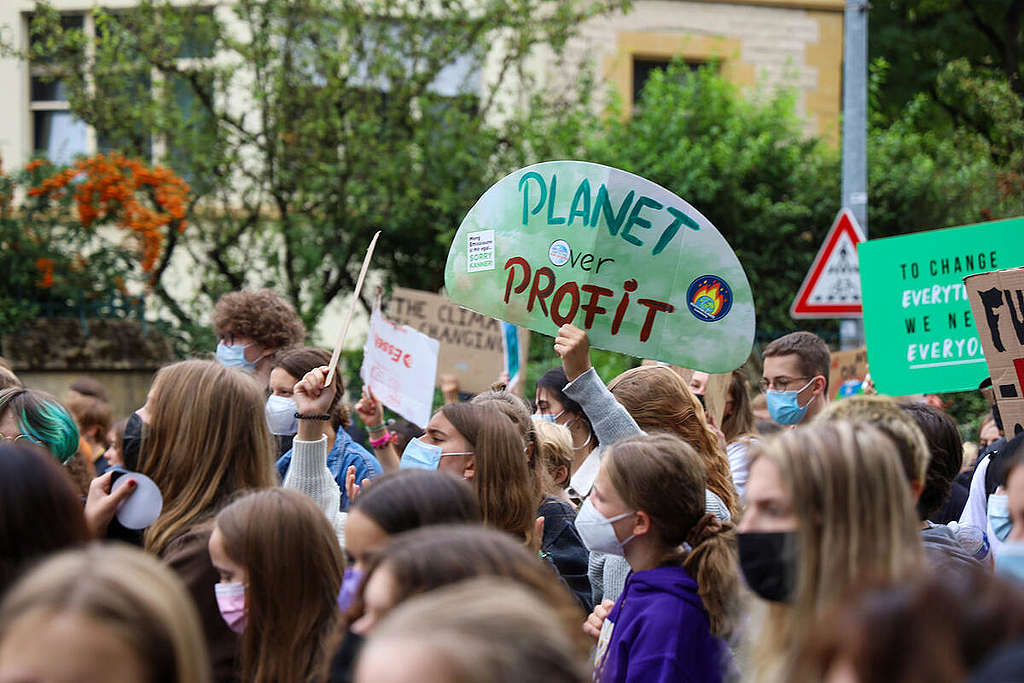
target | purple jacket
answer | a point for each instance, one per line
(660, 633)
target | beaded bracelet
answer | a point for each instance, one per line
(377, 428)
(389, 437)
(323, 416)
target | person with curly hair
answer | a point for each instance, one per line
(251, 326)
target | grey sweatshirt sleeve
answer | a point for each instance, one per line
(610, 420)
(308, 474)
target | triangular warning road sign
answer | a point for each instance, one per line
(832, 286)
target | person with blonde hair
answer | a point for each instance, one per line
(101, 613)
(677, 607)
(477, 631)
(206, 439)
(286, 610)
(555, 445)
(827, 512)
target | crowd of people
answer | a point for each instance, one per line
(661, 526)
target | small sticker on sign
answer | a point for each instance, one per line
(480, 251)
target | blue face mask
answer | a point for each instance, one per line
(999, 515)
(234, 357)
(423, 456)
(350, 584)
(1010, 561)
(784, 406)
(548, 417)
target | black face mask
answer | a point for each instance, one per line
(768, 562)
(132, 442)
(700, 397)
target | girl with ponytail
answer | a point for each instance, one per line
(672, 618)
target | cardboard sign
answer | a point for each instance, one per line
(997, 301)
(920, 333)
(642, 271)
(848, 370)
(399, 365)
(472, 348)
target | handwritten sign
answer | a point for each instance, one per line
(847, 372)
(471, 344)
(399, 364)
(638, 268)
(920, 333)
(997, 301)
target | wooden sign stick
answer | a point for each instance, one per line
(351, 310)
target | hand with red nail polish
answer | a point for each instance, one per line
(101, 504)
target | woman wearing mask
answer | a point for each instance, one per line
(342, 452)
(828, 511)
(110, 614)
(554, 406)
(646, 398)
(280, 572)
(670, 622)
(482, 445)
(394, 503)
(206, 439)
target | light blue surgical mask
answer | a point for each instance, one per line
(1010, 561)
(548, 417)
(234, 357)
(999, 515)
(784, 406)
(423, 456)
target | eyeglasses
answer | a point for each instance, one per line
(780, 383)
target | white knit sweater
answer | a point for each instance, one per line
(308, 474)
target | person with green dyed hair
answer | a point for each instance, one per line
(27, 414)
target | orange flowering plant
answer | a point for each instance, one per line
(93, 232)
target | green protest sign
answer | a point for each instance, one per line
(638, 268)
(917, 319)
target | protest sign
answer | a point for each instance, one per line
(638, 268)
(471, 344)
(918, 325)
(399, 365)
(997, 301)
(847, 371)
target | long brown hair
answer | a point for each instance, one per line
(435, 556)
(513, 407)
(740, 422)
(207, 439)
(663, 476)
(295, 566)
(658, 399)
(504, 485)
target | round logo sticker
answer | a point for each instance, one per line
(709, 298)
(559, 252)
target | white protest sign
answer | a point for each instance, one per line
(399, 365)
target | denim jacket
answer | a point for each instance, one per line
(344, 453)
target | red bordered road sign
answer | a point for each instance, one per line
(832, 286)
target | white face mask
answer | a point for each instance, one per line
(597, 532)
(281, 418)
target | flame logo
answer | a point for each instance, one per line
(710, 298)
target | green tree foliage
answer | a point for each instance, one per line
(305, 125)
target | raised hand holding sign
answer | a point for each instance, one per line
(633, 265)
